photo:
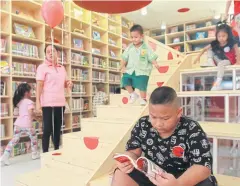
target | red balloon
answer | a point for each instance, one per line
(52, 12)
(91, 142)
(112, 6)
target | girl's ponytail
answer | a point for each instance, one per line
(20, 92)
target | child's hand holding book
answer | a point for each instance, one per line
(142, 164)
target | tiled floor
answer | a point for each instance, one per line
(19, 165)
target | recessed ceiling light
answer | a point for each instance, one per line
(183, 10)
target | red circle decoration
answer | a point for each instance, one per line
(183, 10)
(170, 56)
(112, 6)
(178, 151)
(124, 100)
(91, 142)
(159, 84)
(163, 69)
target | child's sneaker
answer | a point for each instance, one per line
(35, 155)
(5, 159)
(143, 102)
(208, 63)
(133, 97)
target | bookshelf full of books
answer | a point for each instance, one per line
(189, 37)
(89, 46)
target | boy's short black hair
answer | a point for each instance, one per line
(137, 28)
(100, 86)
(163, 95)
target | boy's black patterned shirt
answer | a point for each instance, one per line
(188, 145)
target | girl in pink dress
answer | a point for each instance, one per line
(23, 123)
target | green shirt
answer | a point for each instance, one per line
(139, 59)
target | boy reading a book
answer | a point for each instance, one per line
(136, 65)
(175, 143)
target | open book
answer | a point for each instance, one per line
(142, 164)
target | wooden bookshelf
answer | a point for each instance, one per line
(183, 37)
(75, 38)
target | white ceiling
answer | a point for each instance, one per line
(166, 11)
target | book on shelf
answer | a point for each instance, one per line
(79, 89)
(98, 76)
(2, 130)
(4, 112)
(112, 42)
(79, 74)
(142, 164)
(78, 58)
(94, 89)
(16, 83)
(5, 67)
(98, 62)
(62, 57)
(114, 89)
(114, 65)
(96, 36)
(96, 51)
(114, 78)
(76, 120)
(23, 30)
(77, 104)
(78, 44)
(24, 69)
(3, 88)
(3, 45)
(23, 49)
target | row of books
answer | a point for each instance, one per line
(62, 57)
(4, 109)
(99, 62)
(114, 89)
(79, 89)
(114, 78)
(114, 65)
(3, 46)
(3, 91)
(78, 58)
(76, 120)
(2, 131)
(80, 104)
(79, 74)
(98, 76)
(16, 83)
(24, 69)
(24, 49)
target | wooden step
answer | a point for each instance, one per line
(118, 112)
(119, 99)
(209, 93)
(208, 69)
(52, 177)
(78, 159)
(224, 180)
(167, 71)
(102, 181)
(107, 120)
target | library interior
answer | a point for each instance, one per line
(90, 88)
